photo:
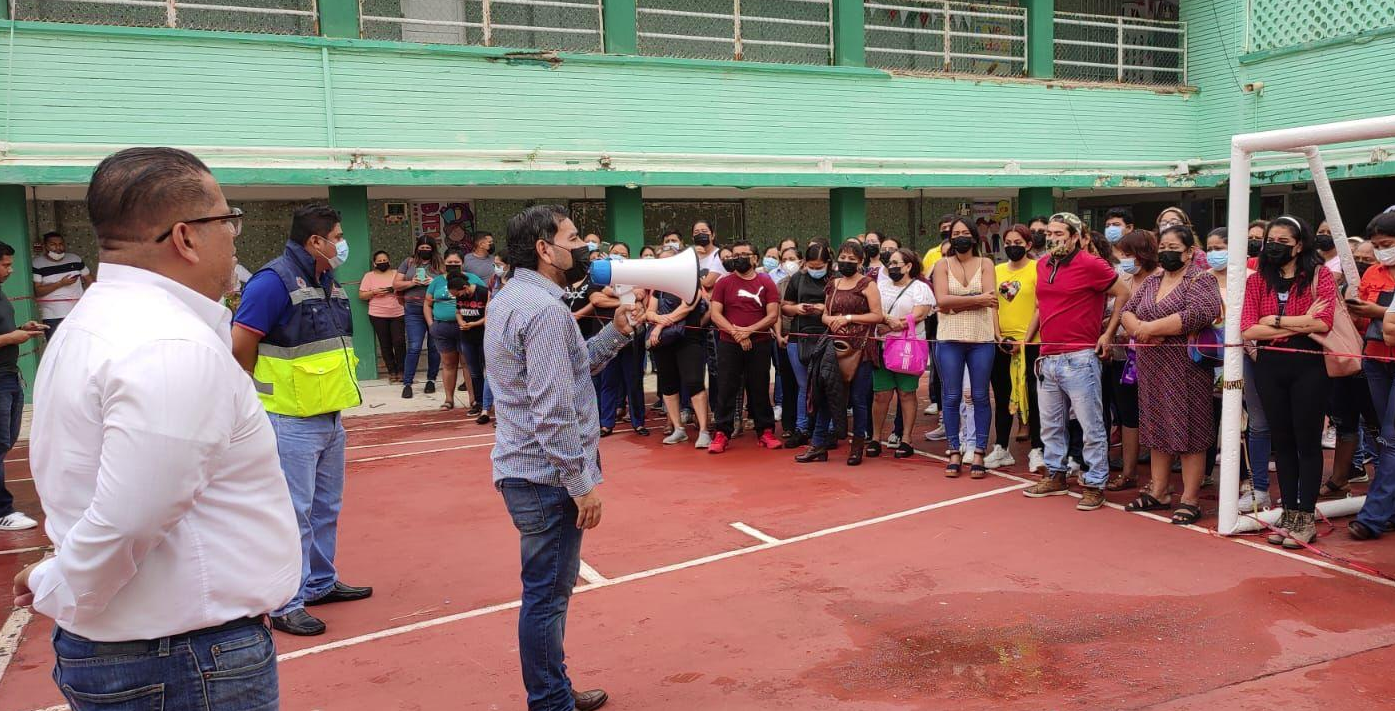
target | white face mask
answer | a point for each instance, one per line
(1386, 256)
(791, 266)
(55, 256)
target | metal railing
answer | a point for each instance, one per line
(1122, 50)
(571, 25)
(291, 17)
(941, 36)
(787, 31)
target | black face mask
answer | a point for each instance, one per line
(1277, 254)
(581, 263)
(886, 256)
(452, 269)
(1015, 252)
(425, 254)
(962, 245)
(1170, 260)
(847, 269)
(381, 266)
(895, 273)
(944, 235)
(1361, 267)
(869, 251)
(1255, 247)
(731, 265)
(702, 239)
(1039, 239)
(1325, 243)
(489, 249)
(741, 265)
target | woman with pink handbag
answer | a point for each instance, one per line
(907, 302)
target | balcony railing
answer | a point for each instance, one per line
(946, 37)
(786, 31)
(1120, 50)
(570, 25)
(284, 17)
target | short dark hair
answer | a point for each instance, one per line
(741, 243)
(912, 261)
(852, 247)
(1143, 245)
(817, 251)
(1382, 224)
(675, 233)
(457, 281)
(1122, 213)
(524, 229)
(6, 250)
(135, 192)
(313, 219)
(374, 258)
(481, 234)
(1038, 218)
(53, 233)
(705, 221)
(1184, 233)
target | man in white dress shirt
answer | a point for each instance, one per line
(156, 464)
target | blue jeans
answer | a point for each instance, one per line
(1257, 433)
(228, 670)
(951, 358)
(1066, 381)
(474, 361)
(801, 375)
(545, 517)
(1380, 497)
(11, 414)
(779, 393)
(620, 384)
(417, 332)
(859, 398)
(312, 457)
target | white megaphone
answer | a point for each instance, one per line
(677, 275)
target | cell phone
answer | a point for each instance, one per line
(1354, 302)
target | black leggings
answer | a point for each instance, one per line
(789, 390)
(1293, 387)
(392, 339)
(1125, 396)
(1001, 380)
(680, 366)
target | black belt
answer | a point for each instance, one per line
(143, 646)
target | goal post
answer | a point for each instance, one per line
(1304, 140)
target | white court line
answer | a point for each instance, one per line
(1318, 562)
(590, 575)
(424, 451)
(16, 551)
(420, 441)
(754, 533)
(425, 624)
(9, 636)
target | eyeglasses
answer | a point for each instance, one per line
(234, 220)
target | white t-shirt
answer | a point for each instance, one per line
(241, 276)
(713, 263)
(898, 304)
(59, 302)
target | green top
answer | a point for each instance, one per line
(442, 303)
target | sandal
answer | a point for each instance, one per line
(1186, 514)
(874, 449)
(1120, 482)
(1332, 491)
(606, 431)
(448, 406)
(952, 468)
(1148, 502)
(977, 471)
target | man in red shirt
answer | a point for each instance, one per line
(1072, 289)
(745, 305)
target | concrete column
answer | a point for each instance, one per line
(849, 35)
(1034, 201)
(352, 203)
(620, 28)
(624, 217)
(1041, 39)
(14, 230)
(847, 214)
(339, 18)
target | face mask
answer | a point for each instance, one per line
(1361, 267)
(1015, 251)
(489, 249)
(1064, 248)
(425, 254)
(1113, 233)
(886, 256)
(1171, 260)
(452, 269)
(55, 256)
(382, 266)
(944, 235)
(676, 246)
(895, 273)
(962, 245)
(1217, 258)
(592, 246)
(730, 265)
(702, 239)
(617, 257)
(847, 269)
(581, 262)
(1128, 265)
(770, 264)
(870, 250)
(817, 273)
(791, 266)
(1254, 247)
(1277, 254)
(498, 270)
(1386, 256)
(1039, 239)
(1325, 243)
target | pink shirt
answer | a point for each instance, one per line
(382, 305)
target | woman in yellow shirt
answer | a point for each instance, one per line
(1017, 304)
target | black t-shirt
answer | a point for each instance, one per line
(804, 289)
(576, 300)
(692, 323)
(471, 304)
(9, 355)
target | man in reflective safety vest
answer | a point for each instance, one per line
(293, 334)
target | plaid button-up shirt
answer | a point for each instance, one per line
(539, 370)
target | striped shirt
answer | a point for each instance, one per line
(539, 370)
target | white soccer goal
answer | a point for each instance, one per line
(1303, 140)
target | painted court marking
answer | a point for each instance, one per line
(754, 533)
(590, 575)
(9, 636)
(17, 551)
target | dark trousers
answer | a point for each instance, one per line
(392, 340)
(1293, 387)
(620, 385)
(739, 371)
(53, 324)
(788, 385)
(550, 544)
(11, 414)
(1380, 497)
(1001, 381)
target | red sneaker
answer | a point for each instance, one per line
(770, 441)
(719, 443)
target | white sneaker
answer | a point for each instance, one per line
(999, 457)
(1329, 438)
(895, 441)
(937, 434)
(1036, 463)
(779, 411)
(933, 409)
(1253, 500)
(17, 522)
(704, 439)
(678, 436)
